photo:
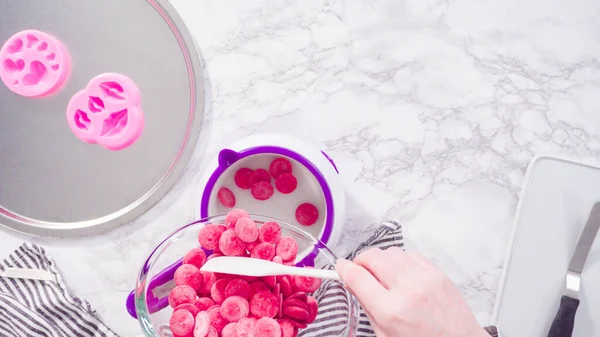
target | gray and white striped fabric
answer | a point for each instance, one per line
(333, 304)
(40, 308)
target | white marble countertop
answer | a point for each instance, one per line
(432, 110)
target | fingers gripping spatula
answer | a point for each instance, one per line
(563, 323)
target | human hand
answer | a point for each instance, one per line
(404, 294)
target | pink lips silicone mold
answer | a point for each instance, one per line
(34, 64)
(107, 112)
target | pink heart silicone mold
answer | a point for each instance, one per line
(34, 64)
(107, 112)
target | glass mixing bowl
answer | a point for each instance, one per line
(152, 307)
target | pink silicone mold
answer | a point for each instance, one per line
(107, 112)
(34, 64)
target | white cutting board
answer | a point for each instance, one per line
(555, 203)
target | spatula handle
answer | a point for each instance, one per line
(312, 272)
(563, 323)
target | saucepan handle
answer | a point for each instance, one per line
(154, 304)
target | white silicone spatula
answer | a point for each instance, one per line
(257, 267)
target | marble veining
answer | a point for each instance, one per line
(432, 110)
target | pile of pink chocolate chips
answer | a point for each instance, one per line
(212, 304)
(259, 183)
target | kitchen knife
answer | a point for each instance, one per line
(562, 326)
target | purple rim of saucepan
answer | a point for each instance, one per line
(155, 304)
(331, 161)
(210, 185)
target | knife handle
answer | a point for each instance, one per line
(563, 323)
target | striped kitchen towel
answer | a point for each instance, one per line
(43, 308)
(333, 303)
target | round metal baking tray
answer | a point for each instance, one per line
(53, 184)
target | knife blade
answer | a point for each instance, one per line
(564, 321)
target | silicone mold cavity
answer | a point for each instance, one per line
(34, 64)
(107, 112)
